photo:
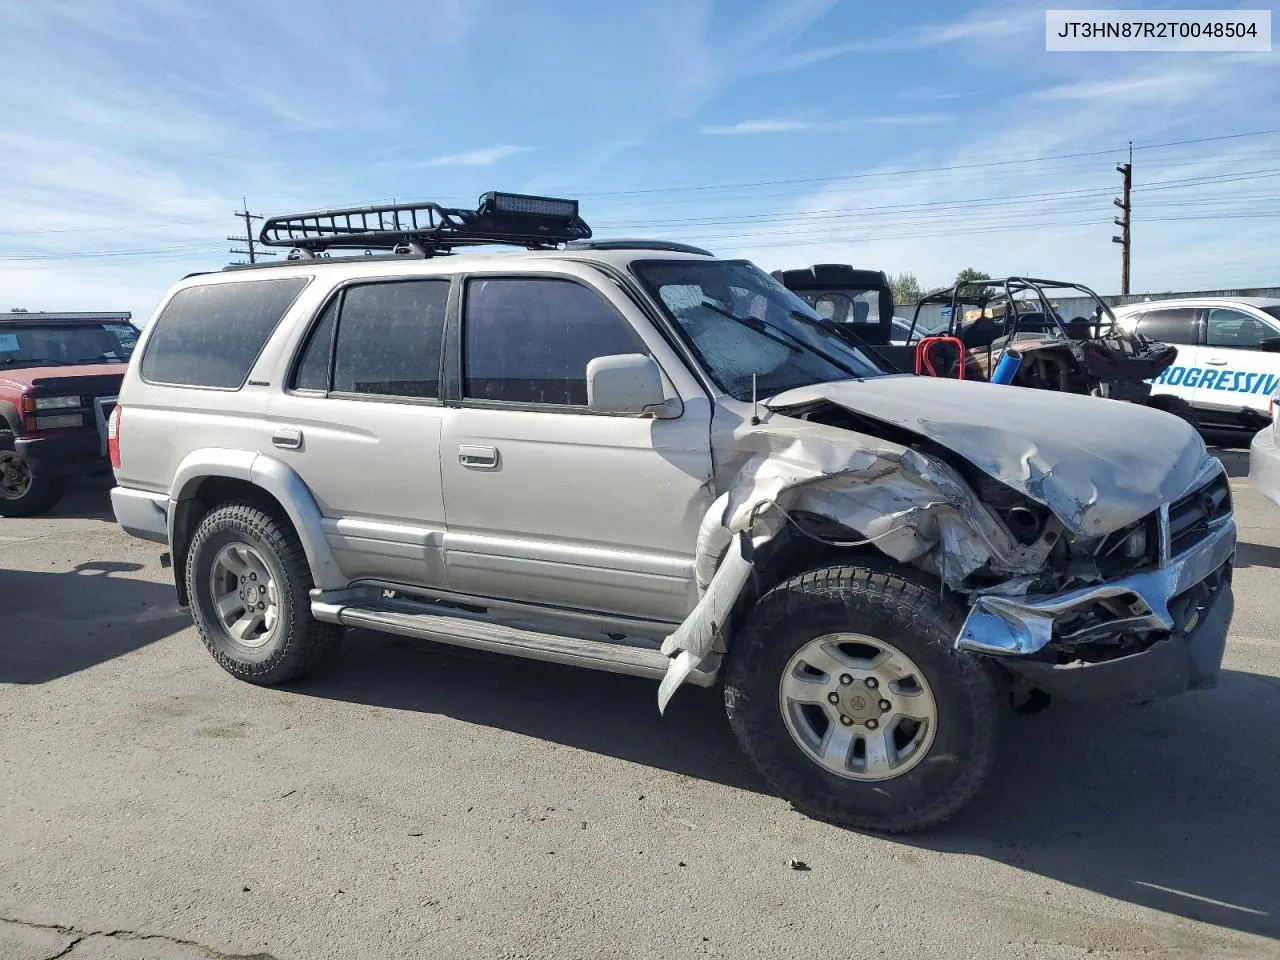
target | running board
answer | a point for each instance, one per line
(514, 641)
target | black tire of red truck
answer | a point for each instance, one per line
(23, 491)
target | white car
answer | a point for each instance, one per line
(1228, 362)
(1264, 456)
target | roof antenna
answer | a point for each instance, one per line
(755, 408)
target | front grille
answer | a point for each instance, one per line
(1191, 517)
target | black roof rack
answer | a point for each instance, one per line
(628, 244)
(428, 228)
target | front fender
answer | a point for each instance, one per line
(275, 478)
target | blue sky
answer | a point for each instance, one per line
(908, 136)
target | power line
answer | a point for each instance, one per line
(958, 166)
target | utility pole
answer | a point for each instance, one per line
(1126, 171)
(253, 253)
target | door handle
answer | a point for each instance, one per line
(481, 458)
(1215, 362)
(288, 437)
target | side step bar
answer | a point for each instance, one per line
(515, 641)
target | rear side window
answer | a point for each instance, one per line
(313, 370)
(386, 342)
(530, 340)
(1172, 325)
(210, 335)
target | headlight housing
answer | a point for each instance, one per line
(1128, 548)
(56, 403)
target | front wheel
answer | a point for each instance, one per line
(23, 493)
(846, 693)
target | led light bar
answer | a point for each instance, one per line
(494, 202)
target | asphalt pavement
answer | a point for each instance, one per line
(418, 801)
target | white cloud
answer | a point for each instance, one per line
(906, 120)
(982, 25)
(758, 126)
(482, 157)
(1158, 87)
(822, 126)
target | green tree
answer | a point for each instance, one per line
(19, 310)
(967, 276)
(906, 289)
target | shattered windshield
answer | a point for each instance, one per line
(66, 344)
(742, 323)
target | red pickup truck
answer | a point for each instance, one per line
(59, 377)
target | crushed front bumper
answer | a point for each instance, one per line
(1186, 603)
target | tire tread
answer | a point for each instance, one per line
(873, 588)
(308, 642)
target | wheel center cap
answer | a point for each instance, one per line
(860, 704)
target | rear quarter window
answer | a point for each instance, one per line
(210, 335)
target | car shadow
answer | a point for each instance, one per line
(1257, 555)
(87, 498)
(55, 624)
(1235, 462)
(1172, 806)
(1231, 442)
(604, 713)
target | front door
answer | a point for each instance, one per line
(547, 502)
(1177, 326)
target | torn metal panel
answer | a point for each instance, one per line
(911, 506)
(1098, 465)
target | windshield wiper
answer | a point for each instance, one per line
(759, 326)
(101, 358)
(848, 336)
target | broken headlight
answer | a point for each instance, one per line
(1128, 548)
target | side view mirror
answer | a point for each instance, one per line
(1270, 345)
(628, 383)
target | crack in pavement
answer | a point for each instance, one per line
(80, 936)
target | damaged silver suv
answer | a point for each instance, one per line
(635, 457)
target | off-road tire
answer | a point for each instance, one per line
(896, 606)
(41, 495)
(300, 642)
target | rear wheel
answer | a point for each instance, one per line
(249, 584)
(846, 693)
(23, 493)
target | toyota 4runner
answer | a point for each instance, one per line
(635, 457)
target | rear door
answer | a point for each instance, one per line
(360, 419)
(1237, 375)
(547, 502)
(1178, 326)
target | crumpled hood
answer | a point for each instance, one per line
(1098, 464)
